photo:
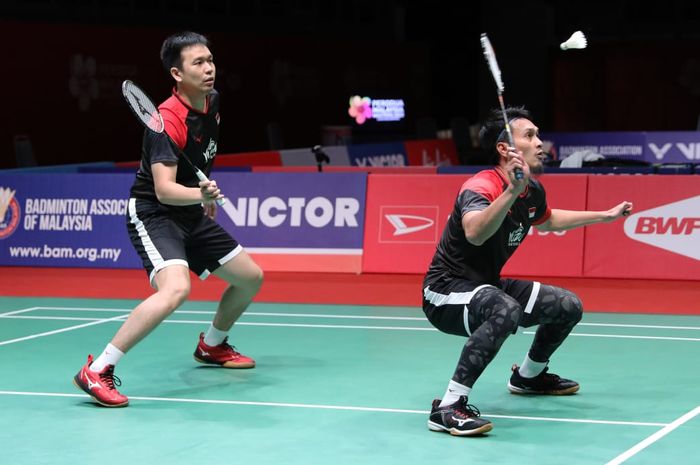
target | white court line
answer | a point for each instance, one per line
(331, 407)
(655, 437)
(62, 330)
(300, 325)
(623, 336)
(619, 325)
(16, 312)
(368, 317)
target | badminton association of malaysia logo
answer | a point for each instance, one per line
(9, 212)
(408, 224)
(674, 227)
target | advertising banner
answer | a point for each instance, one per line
(406, 216)
(659, 240)
(387, 154)
(431, 152)
(625, 145)
(297, 221)
(673, 147)
(65, 220)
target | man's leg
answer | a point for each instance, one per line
(244, 277)
(556, 311)
(97, 377)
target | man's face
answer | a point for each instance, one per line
(198, 71)
(527, 139)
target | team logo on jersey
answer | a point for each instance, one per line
(674, 227)
(516, 237)
(9, 212)
(210, 152)
(413, 224)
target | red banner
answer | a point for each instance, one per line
(404, 218)
(406, 215)
(660, 239)
(431, 152)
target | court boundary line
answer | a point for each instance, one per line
(331, 407)
(341, 316)
(61, 330)
(640, 446)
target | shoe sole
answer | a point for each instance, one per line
(225, 364)
(77, 384)
(456, 432)
(561, 392)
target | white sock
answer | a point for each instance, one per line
(454, 392)
(214, 337)
(110, 356)
(530, 368)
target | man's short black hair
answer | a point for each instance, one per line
(493, 130)
(170, 51)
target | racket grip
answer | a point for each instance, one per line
(518, 174)
(202, 177)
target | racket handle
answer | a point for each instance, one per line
(202, 177)
(518, 174)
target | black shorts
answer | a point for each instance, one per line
(447, 301)
(162, 239)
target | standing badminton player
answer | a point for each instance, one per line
(170, 223)
(463, 292)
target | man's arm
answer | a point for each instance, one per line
(561, 220)
(479, 225)
(170, 192)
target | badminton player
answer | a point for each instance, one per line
(170, 223)
(463, 292)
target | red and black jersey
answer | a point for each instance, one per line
(458, 257)
(195, 133)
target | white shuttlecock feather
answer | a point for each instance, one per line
(577, 40)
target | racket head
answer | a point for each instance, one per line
(142, 107)
(490, 56)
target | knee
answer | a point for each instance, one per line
(508, 316)
(176, 295)
(572, 307)
(253, 281)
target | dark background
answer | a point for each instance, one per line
(286, 69)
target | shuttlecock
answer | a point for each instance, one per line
(577, 40)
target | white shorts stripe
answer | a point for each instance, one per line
(454, 298)
(153, 254)
(533, 297)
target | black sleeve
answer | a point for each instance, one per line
(159, 149)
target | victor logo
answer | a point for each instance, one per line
(674, 227)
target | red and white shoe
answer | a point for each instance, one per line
(223, 355)
(100, 386)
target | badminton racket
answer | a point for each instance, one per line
(146, 112)
(490, 56)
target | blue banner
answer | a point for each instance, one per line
(673, 147)
(650, 147)
(388, 154)
(626, 145)
(65, 220)
(294, 210)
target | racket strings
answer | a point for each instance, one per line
(143, 107)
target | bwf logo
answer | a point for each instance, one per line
(408, 224)
(668, 227)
